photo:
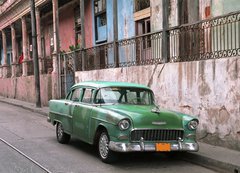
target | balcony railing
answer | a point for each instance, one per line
(19, 70)
(47, 68)
(209, 39)
(141, 50)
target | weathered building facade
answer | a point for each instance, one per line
(187, 51)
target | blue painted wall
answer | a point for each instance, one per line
(126, 24)
(110, 30)
(126, 29)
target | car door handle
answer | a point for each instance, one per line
(66, 103)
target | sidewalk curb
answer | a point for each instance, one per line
(26, 107)
(211, 163)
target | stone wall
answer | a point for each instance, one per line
(23, 88)
(208, 89)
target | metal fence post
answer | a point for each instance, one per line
(65, 74)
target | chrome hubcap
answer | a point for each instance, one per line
(103, 146)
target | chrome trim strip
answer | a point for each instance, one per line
(132, 147)
(57, 113)
(156, 129)
(102, 120)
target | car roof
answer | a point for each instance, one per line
(103, 84)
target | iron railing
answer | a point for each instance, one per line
(141, 50)
(19, 70)
(215, 38)
(47, 68)
(208, 39)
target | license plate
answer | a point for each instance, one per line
(163, 147)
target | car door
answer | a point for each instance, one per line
(72, 98)
(82, 113)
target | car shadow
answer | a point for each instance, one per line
(134, 159)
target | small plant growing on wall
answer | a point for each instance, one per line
(74, 48)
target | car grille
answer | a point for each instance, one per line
(156, 135)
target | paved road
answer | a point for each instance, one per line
(31, 134)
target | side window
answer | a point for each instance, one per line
(88, 95)
(69, 96)
(99, 97)
(76, 95)
(131, 95)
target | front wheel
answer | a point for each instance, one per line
(62, 137)
(106, 155)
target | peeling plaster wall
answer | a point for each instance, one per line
(22, 88)
(110, 29)
(126, 28)
(204, 9)
(156, 14)
(193, 10)
(89, 27)
(126, 24)
(208, 89)
(66, 28)
(213, 8)
(221, 7)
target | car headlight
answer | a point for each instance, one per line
(124, 124)
(192, 125)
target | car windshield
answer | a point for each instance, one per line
(124, 95)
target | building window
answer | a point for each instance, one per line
(141, 4)
(144, 42)
(100, 20)
(144, 27)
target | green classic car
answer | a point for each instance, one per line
(121, 117)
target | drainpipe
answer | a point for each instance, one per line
(165, 35)
(115, 34)
(55, 74)
(35, 54)
(82, 11)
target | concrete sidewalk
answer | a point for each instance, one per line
(25, 105)
(214, 157)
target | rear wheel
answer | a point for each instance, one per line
(106, 155)
(62, 137)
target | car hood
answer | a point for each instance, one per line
(144, 116)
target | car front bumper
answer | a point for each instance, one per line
(132, 147)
